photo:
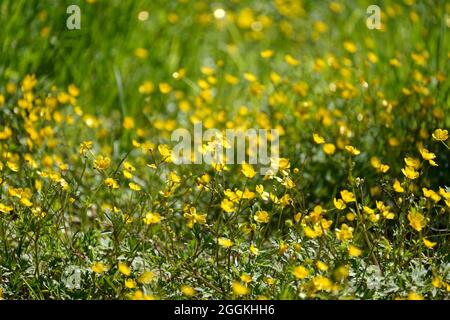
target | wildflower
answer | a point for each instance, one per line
(135, 187)
(141, 53)
(339, 204)
(431, 194)
(193, 217)
(123, 269)
(146, 87)
(248, 170)
(354, 251)
(246, 278)
(227, 205)
(152, 218)
(165, 88)
(26, 202)
(239, 289)
(139, 295)
(412, 162)
(102, 162)
(322, 283)
(99, 267)
(5, 208)
(437, 282)
(414, 296)
(224, 242)
(427, 155)
(345, 233)
(440, 135)
(300, 272)
(397, 186)
(146, 277)
(416, 220)
(130, 283)
(128, 123)
(110, 182)
(429, 244)
(262, 217)
(329, 148)
(348, 196)
(266, 54)
(318, 139)
(410, 173)
(165, 152)
(254, 250)
(352, 150)
(310, 233)
(85, 146)
(187, 291)
(350, 47)
(322, 266)
(291, 60)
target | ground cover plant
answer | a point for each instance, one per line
(94, 206)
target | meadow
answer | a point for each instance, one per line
(93, 204)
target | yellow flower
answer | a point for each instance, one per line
(165, 88)
(146, 87)
(262, 217)
(135, 187)
(227, 205)
(291, 60)
(427, 155)
(193, 217)
(110, 182)
(128, 123)
(339, 204)
(350, 46)
(397, 186)
(322, 283)
(99, 267)
(436, 282)
(130, 283)
(412, 162)
(248, 170)
(428, 243)
(414, 296)
(141, 53)
(410, 173)
(352, 150)
(123, 268)
(322, 266)
(224, 242)
(146, 277)
(246, 278)
(102, 162)
(345, 233)
(417, 220)
(139, 295)
(348, 196)
(85, 146)
(187, 291)
(165, 151)
(318, 139)
(354, 251)
(26, 202)
(440, 135)
(5, 208)
(329, 148)
(152, 218)
(239, 289)
(310, 233)
(300, 272)
(266, 54)
(254, 250)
